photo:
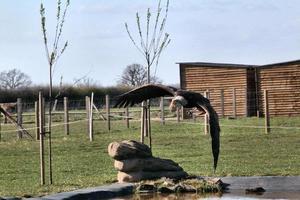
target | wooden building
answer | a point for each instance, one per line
(237, 90)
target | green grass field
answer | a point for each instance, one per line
(79, 163)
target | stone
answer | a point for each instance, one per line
(165, 190)
(128, 149)
(145, 188)
(143, 175)
(146, 164)
(188, 188)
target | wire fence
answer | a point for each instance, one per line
(230, 103)
(250, 124)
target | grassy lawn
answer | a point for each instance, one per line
(78, 163)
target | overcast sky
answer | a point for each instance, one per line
(227, 31)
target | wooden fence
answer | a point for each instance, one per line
(91, 113)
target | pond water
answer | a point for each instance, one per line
(236, 194)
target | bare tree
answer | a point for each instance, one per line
(151, 45)
(53, 54)
(13, 79)
(136, 75)
(85, 82)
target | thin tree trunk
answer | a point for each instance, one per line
(148, 120)
(49, 127)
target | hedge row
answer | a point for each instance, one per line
(30, 94)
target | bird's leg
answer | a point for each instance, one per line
(201, 112)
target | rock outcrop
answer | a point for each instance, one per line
(134, 162)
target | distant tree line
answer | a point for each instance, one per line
(30, 94)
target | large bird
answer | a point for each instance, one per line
(187, 99)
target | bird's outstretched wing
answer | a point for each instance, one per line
(143, 93)
(204, 103)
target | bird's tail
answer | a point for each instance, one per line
(214, 132)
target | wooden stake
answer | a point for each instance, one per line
(54, 105)
(206, 123)
(142, 123)
(194, 118)
(19, 117)
(127, 117)
(91, 135)
(41, 127)
(178, 114)
(37, 124)
(162, 111)
(87, 108)
(66, 116)
(146, 120)
(267, 114)
(149, 125)
(107, 100)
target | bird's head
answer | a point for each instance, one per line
(177, 102)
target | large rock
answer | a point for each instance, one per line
(134, 162)
(128, 149)
(151, 164)
(143, 175)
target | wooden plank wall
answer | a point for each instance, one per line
(283, 84)
(215, 79)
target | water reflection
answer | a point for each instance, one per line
(185, 196)
(156, 196)
(237, 194)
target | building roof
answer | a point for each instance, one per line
(207, 64)
(280, 64)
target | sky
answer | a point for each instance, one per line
(221, 31)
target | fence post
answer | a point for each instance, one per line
(234, 102)
(41, 127)
(127, 116)
(66, 116)
(142, 123)
(107, 111)
(194, 117)
(91, 127)
(146, 113)
(206, 124)
(87, 108)
(37, 124)
(19, 117)
(267, 114)
(162, 111)
(222, 103)
(5, 119)
(178, 114)
(54, 105)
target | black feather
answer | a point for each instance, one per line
(143, 93)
